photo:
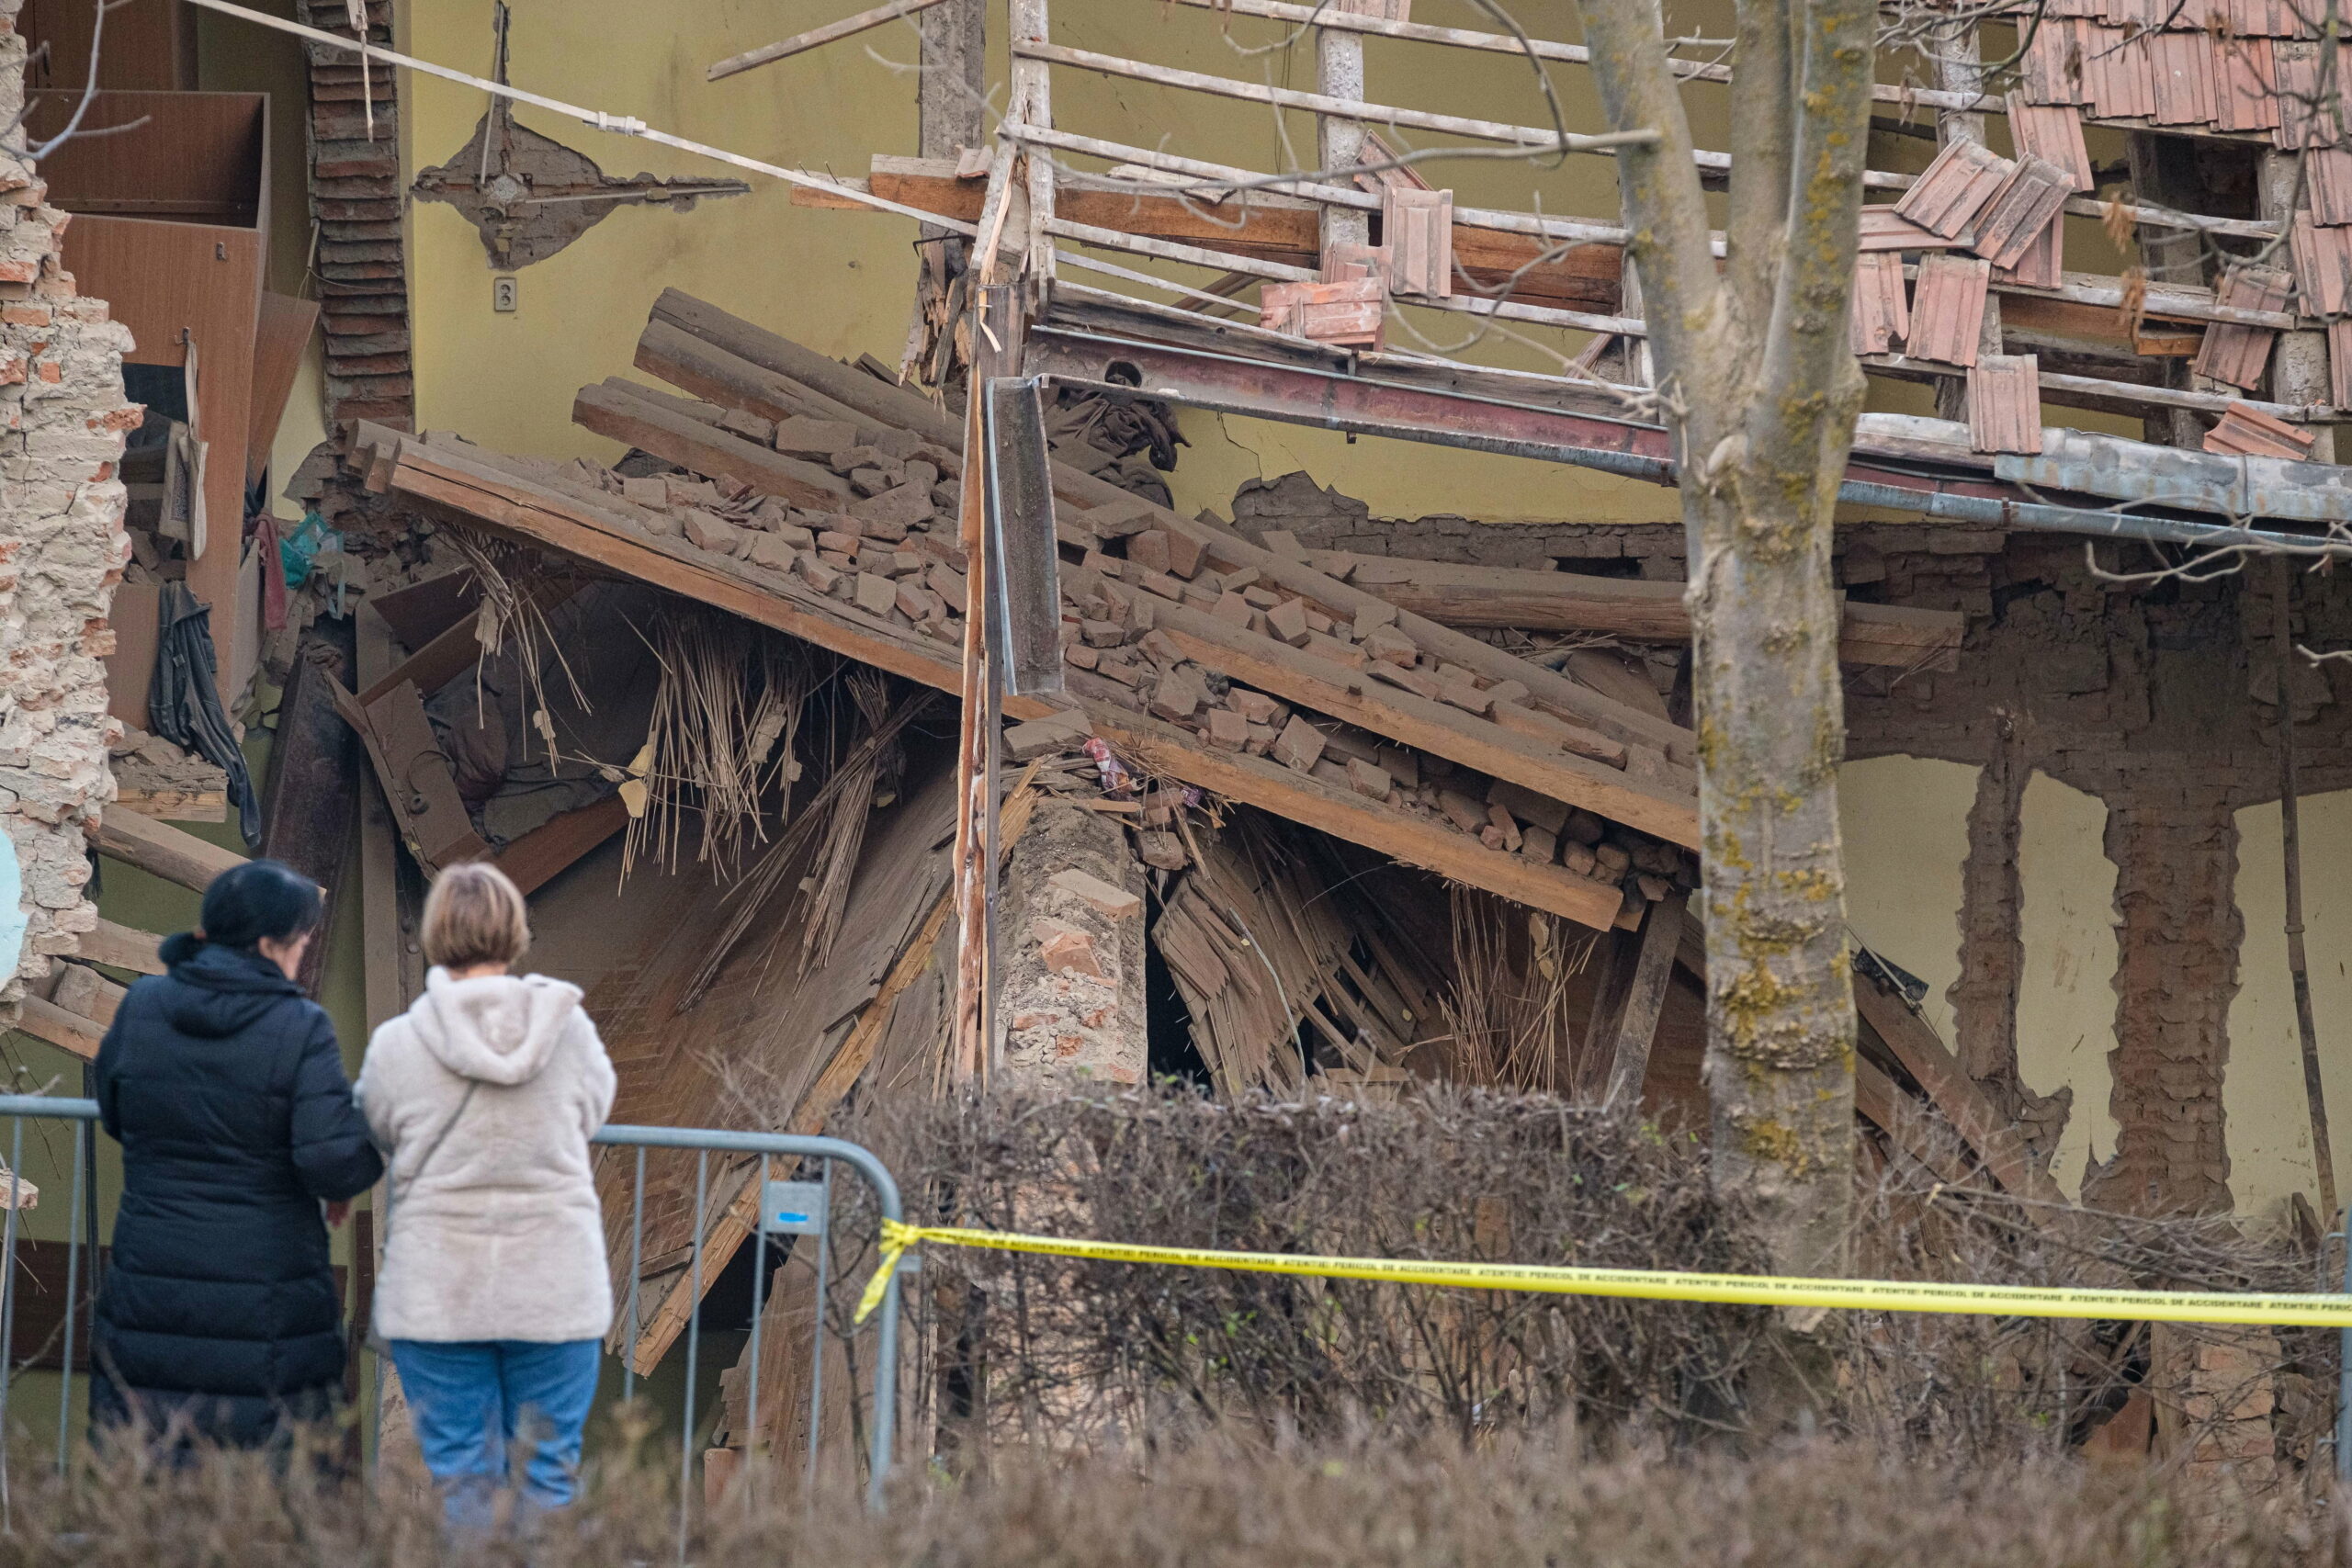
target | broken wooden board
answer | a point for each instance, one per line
(66, 1030)
(175, 804)
(1270, 227)
(1996, 1141)
(416, 776)
(1462, 595)
(120, 947)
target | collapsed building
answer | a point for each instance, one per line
(622, 560)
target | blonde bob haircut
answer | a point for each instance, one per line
(475, 915)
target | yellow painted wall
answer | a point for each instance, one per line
(841, 282)
(2269, 1120)
(2066, 997)
(1905, 821)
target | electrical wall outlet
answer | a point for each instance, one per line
(501, 293)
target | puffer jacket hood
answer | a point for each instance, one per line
(494, 1028)
(221, 991)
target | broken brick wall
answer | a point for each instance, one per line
(63, 418)
(2159, 698)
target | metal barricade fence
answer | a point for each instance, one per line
(787, 1208)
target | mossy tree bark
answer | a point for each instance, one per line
(1761, 388)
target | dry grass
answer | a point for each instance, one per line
(1380, 1502)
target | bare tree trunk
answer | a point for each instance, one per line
(1758, 380)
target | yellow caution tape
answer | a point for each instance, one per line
(1745, 1290)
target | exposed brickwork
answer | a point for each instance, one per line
(2160, 699)
(356, 201)
(63, 418)
(1072, 1004)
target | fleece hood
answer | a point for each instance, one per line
(494, 1028)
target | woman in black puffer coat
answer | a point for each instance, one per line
(217, 1317)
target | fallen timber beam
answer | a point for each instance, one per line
(1460, 595)
(120, 947)
(518, 507)
(1995, 1142)
(66, 1030)
(162, 850)
(621, 411)
(1299, 677)
(1225, 550)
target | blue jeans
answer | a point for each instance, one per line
(471, 1399)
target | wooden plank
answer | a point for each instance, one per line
(121, 947)
(505, 503)
(1299, 677)
(1253, 781)
(815, 37)
(615, 409)
(711, 372)
(383, 940)
(1265, 226)
(1882, 1102)
(1636, 1022)
(162, 850)
(840, 1073)
(534, 860)
(175, 805)
(68, 1032)
(416, 776)
(1909, 1039)
(1462, 596)
(82, 991)
(458, 647)
(307, 808)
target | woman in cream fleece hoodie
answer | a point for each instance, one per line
(494, 1296)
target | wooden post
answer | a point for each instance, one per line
(314, 778)
(996, 351)
(1033, 104)
(2291, 844)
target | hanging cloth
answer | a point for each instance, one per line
(183, 515)
(183, 702)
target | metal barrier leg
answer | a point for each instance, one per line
(2343, 1371)
(694, 1354)
(636, 1266)
(824, 1240)
(9, 1296)
(72, 1284)
(751, 1435)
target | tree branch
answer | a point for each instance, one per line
(1807, 350)
(1764, 108)
(1665, 210)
